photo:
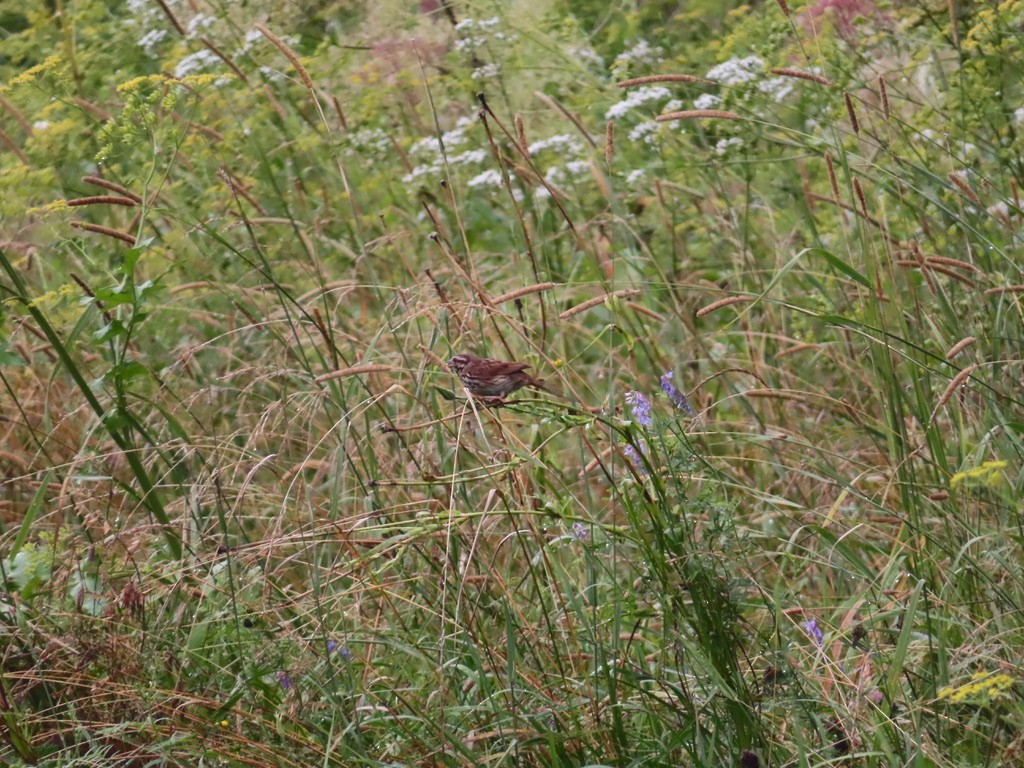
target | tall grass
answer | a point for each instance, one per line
(251, 519)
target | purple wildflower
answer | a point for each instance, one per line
(284, 679)
(812, 629)
(580, 531)
(634, 455)
(640, 406)
(343, 652)
(677, 397)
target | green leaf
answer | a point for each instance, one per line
(30, 515)
(127, 371)
(9, 358)
(111, 330)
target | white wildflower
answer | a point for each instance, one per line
(454, 137)
(149, 41)
(563, 143)
(420, 171)
(724, 145)
(273, 75)
(577, 167)
(370, 138)
(470, 43)
(196, 62)
(489, 178)
(486, 72)
(636, 177)
(736, 71)
(707, 101)
(641, 53)
(429, 145)
(198, 24)
(40, 125)
(555, 176)
(469, 157)
(587, 56)
(776, 87)
(635, 99)
(646, 132)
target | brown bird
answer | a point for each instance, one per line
(486, 377)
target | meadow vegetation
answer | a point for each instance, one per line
(769, 255)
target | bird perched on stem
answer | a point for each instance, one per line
(486, 377)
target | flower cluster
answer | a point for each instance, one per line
(643, 414)
(568, 149)
(814, 632)
(429, 157)
(199, 61)
(580, 532)
(983, 686)
(637, 98)
(642, 53)
(736, 71)
(678, 398)
(476, 34)
(641, 407)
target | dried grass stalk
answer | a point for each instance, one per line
(799, 73)
(521, 134)
(537, 288)
(108, 231)
(662, 79)
(853, 114)
(92, 109)
(355, 370)
(224, 57)
(959, 347)
(289, 54)
(775, 394)
(831, 170)
(626, 294)
(8, 142)
(174, 21)
(860, 197)
(962, 185)
(945, 260)
(96, 181)
(641, 309)
(101, 200)
(959, 379)
(696, 114)
(727, 302)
